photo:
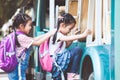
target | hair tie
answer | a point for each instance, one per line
(61, 19)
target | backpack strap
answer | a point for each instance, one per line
(59, 47)
(12, 46)
(57, 50)
(59, 68)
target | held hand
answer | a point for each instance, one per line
(75, 31)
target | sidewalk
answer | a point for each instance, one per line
(3, 76)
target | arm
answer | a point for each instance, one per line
(75, 37)
(40, 36)
(74, 31)
(72, 37)
(40, 39)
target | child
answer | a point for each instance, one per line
(67, 60)
(23, 23)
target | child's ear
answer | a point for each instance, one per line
(62, 25)
(21, 26)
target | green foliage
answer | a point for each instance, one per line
(8, 8)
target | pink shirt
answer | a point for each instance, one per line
(25, 42)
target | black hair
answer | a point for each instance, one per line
(20, 18)
(67, 19)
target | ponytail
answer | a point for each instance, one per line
(60, 20)
(16, 39)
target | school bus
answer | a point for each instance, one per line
(100, 59)
(97, 60)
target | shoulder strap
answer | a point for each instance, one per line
(59, 47)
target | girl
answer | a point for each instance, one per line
(65, 60)
(23, 23)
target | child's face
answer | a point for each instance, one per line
(66, 29)
(28, 27)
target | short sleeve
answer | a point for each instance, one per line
(25, 41)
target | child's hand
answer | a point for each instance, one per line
(75, 31)
(87, 32)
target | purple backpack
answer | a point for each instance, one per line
(8, 59)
